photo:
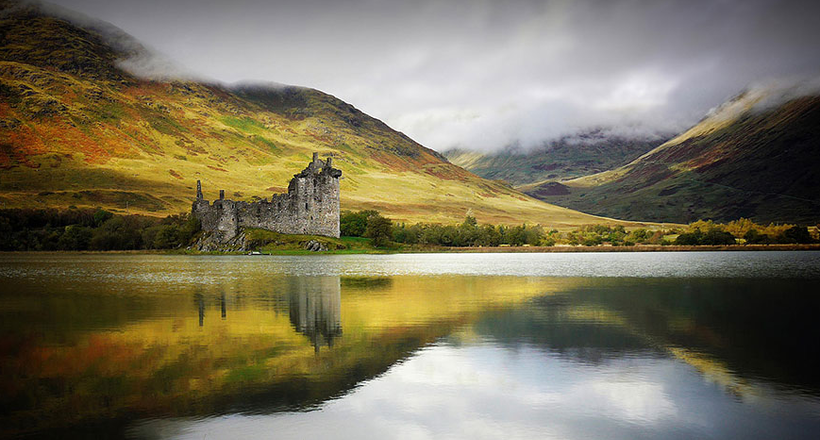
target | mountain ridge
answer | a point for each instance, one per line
(755, 156)
(560, 159)
(76, 129)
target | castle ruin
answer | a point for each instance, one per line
(310, 207)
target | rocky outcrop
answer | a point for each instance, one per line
(315, 246)
(211, 242)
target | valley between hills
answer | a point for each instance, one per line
(756, 157)
(77, 129)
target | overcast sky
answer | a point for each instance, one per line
(483, 74)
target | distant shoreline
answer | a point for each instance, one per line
(640, 248)
(457, 250)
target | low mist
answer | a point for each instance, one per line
(486, 75)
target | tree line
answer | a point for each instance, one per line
(97, 229)
(91, 229)
(382, 231)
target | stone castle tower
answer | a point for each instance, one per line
(311, 206)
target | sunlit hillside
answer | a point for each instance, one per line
(78, 130)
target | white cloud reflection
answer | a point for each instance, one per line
(479, 392)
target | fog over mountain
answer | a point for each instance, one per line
(482, 74)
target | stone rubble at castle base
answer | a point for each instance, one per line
(310, 207)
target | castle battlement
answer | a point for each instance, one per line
(311, 206)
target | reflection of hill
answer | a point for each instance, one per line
(734, 332)
(316, 308)
(180, 358)
(564, 326)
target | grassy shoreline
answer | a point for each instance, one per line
(456, 250)
(645, 248)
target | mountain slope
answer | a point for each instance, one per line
(750, 158)
(76, 129)
(565, 158)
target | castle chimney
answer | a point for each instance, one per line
(315, 157)
(199, 190)
(221, 194)
(329, 163)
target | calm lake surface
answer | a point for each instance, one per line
(566, 346)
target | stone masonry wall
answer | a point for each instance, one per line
(311, 206)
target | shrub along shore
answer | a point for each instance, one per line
(369, 232)
(470, 234)
(644, 248)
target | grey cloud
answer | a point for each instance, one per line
(138, 59)
(485, 74)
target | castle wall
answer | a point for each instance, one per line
(311, 207)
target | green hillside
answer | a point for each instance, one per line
(77, 130)
(748, 159)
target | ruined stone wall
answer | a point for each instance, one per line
(311, 206)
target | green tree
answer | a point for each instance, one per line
(75, 238)
(115, 234)
(6, 235)
(469, 222)
(689, 238)
(101, 216)
(753, 236)
(489, 235)
(796, 234)
(166, 237)
(513, 236)
(639, 235)
(148, 236)
(717, 236)
(354, 224)
(188, 228)
(379, 229)
(533, 235)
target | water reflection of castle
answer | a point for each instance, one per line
(316, 308)
(199, 299)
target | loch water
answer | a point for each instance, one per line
(708, 345)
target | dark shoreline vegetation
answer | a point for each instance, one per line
(369, 231)
(470, 234)
(92, 230)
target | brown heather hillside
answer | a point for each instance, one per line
(77, 130)
(748, 159)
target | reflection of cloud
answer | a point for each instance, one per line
(630, 401)
(478, 392)
(486, 392)
(630, 397)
